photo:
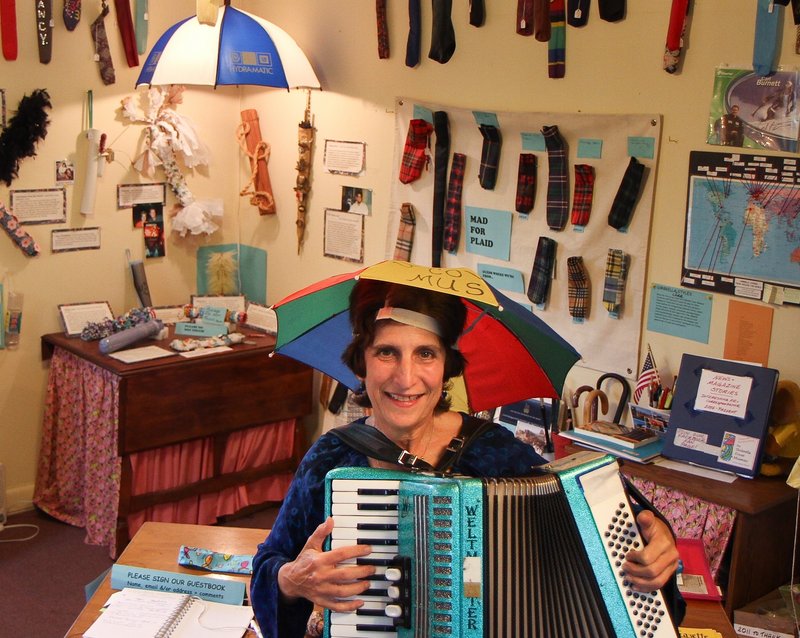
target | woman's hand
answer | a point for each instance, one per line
(651, 567)
(315, 575)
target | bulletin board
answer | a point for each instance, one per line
(605, 142)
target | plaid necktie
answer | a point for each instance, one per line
(405, 233)
(477, 13)
(443, 36)
(625, 199)
(582, 196)
(102, 52)
(614, 287)
(490, 156)
(452, 213)
(383, 29)
(526, 183)
(578, 288)
(415, 151)
(542, 273)
(414, 43)
(557, 180)
(441, 155)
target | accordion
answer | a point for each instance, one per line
(537, 557)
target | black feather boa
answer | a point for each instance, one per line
(18, 140)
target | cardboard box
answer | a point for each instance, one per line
(767, 617)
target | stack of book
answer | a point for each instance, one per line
(635, 444)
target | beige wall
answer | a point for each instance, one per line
(610, 69)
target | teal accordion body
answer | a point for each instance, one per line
(536, 557)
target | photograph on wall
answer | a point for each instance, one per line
(742, 225)
(154, 245)
(754, 112)
(65, 172)
(152, 212)
(356, 200)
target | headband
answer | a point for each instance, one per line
(410, 318)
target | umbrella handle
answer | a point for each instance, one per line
(590, 407)
(623, 399)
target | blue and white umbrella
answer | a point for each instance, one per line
(239, 49)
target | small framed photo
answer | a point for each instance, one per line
(261, 318)
(65, 172)
(75, 317)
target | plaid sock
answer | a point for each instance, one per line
(614, 287)
(542, 273)
(452, 212)
(526, 183)
(557, 181)
(578, 288)
(405, 233)
(611, 10)
(415, 152)
(556, 46)
(582, 195)
(625, 199)
(490, 156)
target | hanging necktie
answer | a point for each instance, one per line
(526, 183)
(415, 150)
(611, 10)
(142, 18)
(557, 179)
(414, 43)
(490, 156)
(614, 286)
(542, 273)
(765, 47)
(44, 29)
(578, 12)
(72, 14)
(383, 29)
(675, 33)
(625, 199)
(441, 155)
(541, 20)
(556, 46)
(125, 22)
(405, 233)
(578, 288)
(452, 213)
(443, 36)
(102, 53)
(583, 194)
(8, 28)
(477, 13)
(525, 17)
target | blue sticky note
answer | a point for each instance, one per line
(422, 113)
(503, 278)
(533, 142)
(680, 312)
(488, 232)
(221, 590)
(200, 329)
(489, 119)
(592, 149)
(641, 147)
(213, 314)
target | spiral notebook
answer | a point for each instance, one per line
(145, 613)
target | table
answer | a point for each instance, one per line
(759, 552)
(174, 439)
(155, 546)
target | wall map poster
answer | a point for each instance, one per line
(742, 226)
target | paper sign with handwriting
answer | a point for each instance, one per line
(723, 393)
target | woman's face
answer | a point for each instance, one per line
(405, 370)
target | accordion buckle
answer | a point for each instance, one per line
(407, 459)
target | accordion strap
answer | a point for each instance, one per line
(374, 443)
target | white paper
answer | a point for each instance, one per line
(75, 239)
(261, 318)
(201, 352)
(77, 316)
(39, 205)
(722, 393)
(344, 235)
(695, 470)
(130, 194)
(145, 353)
(344, 158)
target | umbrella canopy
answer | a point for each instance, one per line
(511, 354)
(239, 48)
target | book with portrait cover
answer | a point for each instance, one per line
(720, 414)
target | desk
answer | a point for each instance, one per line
(155, 546)
(171, 439)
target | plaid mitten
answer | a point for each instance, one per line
(415, 151)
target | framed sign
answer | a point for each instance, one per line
(75, 317)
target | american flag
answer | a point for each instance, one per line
(648, 374)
